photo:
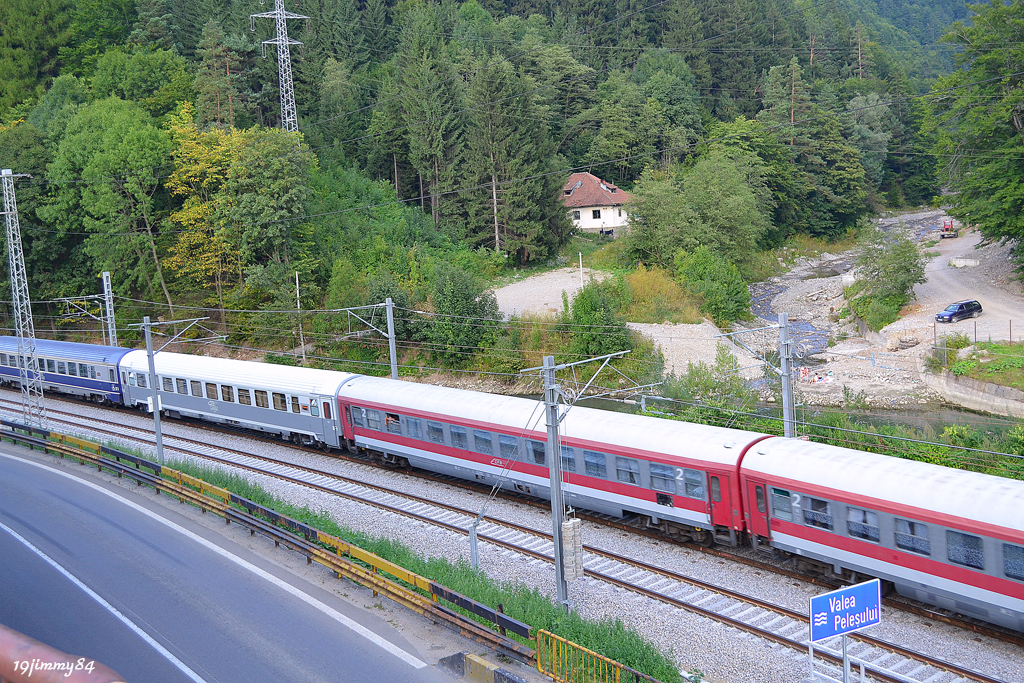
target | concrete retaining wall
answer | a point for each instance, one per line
(477, 669)
(975, 394)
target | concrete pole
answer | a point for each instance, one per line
(147, 326)
(788, 415)
(108, 305)
(555, 475)
(298, 305)
(390, 305)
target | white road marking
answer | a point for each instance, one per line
(283, 585)
(106, 605)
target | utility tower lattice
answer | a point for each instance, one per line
(289, 119)
(33, 409)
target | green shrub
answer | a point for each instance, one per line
(957, 341)
(961, 368)
(725, 294)
(880, 313)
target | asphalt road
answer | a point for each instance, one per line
(95, 571)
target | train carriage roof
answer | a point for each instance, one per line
(601, 428)
(82, 353)
(943, 490)
(238, 373)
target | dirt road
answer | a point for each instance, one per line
(988, 282)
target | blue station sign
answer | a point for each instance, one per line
(846, 610)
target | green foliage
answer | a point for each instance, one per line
(889, 265)
(718, 282)
(463, 314)
(961, 368)
(719, 384)
(957, 340)
(594, 321)
(990, 57)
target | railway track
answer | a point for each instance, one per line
(876, 658)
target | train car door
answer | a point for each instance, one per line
(721, 507)
(757, 509)
(330, 420)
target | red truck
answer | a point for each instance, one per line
(948, 230)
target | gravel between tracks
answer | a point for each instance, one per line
(721, 653)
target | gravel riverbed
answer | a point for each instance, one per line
(721, 653)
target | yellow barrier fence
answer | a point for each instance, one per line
(568, 662)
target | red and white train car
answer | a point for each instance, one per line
(682, 478)
(943, 536)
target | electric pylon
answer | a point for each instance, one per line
(289, 119)
(32, 407)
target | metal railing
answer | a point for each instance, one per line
(567, 662)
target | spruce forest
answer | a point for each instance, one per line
(434, 139)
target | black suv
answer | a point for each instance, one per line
(959, 311)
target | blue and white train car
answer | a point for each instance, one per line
(83, 370)
(295, 403)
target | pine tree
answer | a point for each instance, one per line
(154, 25)
(216, 82)
(375, 25)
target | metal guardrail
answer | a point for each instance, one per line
(567, 662)
(344, 559)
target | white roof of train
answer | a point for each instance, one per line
(944, 490)
(702, 442)
(246, 374)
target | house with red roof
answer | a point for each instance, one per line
(595, 205)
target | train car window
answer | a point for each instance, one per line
(50, 366)
(314, 410)
(245, 397)
(818, 513)
(131, 379)
(169, 384)
(280, 403)
(197, 388)
(211, 390)
(358, 418)
(435, 430)
(227, 393)
(393, 422)
(595, 464)
(509, 446)
(1013, 561)
(782, 505)
(965, 549)
(73, 371)
(694, 484)
(759, 495)
(862, 524)
(460, 437)
(83, 370)
(110, 371)
(61, 368)
(627, 470)
(261, 399)
(295, 404)
(3, 359)
(182, 386)
(373, 419)
(327, 410)
(413, 425)
(716, 493)
(538, 451)
(912, 536)
(663, 478)
(482, 442)
(568, 459)
(142, 379)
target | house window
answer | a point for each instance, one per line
(597, 214)
(575, 215)
(620, 213)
